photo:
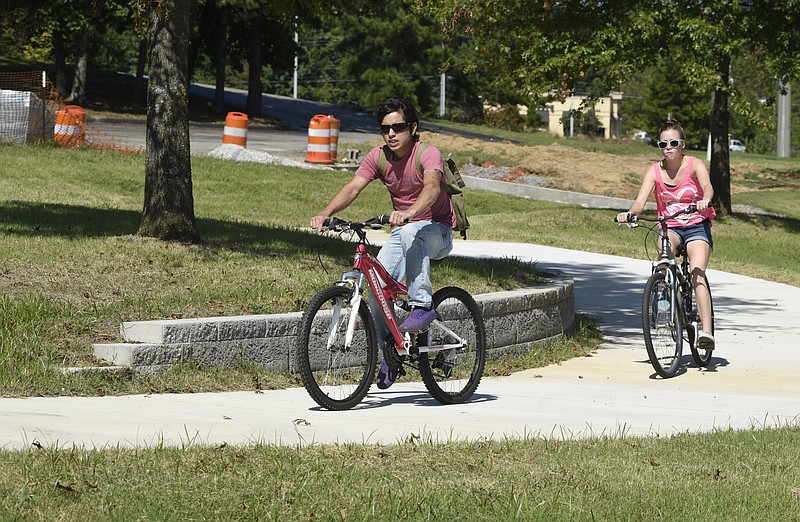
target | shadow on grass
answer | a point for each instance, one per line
(787, 224)
(27, 219)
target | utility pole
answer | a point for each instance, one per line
(296, 59)
(784, 119)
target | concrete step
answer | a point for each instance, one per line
(207, 329)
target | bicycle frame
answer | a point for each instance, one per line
(386, 290)
(666, 261)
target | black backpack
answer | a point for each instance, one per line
(453, 184)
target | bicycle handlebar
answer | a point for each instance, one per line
(633, 218)
(340, 225)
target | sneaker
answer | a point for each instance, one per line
(705, 341)
(418, 319)
(386, 376)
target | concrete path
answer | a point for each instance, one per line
(751, 382)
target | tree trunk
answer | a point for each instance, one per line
(221, 46)
(168, 202)
(61, 61)
(254, 85)
(720, 150)
(78, 95)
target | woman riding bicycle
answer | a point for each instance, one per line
(679, 181)
(423, 216)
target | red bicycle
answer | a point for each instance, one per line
(337, 349)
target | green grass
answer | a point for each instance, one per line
(72, 268)
(722, 476)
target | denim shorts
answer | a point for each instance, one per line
(701, 231)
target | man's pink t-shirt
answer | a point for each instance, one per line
(405, 183)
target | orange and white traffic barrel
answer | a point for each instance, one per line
(235, 131)
(70, 127)
(334, 124)
(319, 140)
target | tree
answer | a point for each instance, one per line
(168, 200)
(710, 35)
(564, 39)
(649, 99)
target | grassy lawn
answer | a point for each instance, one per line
(721, 476)
(72, 268)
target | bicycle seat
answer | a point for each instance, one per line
(682, 250)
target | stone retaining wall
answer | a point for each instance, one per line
(515, 320)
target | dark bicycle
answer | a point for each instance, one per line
(669, 314)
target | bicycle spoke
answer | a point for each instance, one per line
(335, 372)
(452, 375)
(662, 326)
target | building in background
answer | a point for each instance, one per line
(603, 119)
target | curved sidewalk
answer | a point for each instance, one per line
(751, 382)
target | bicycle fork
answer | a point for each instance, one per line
(354, 279)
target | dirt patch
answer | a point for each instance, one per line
(593, 172)
(558, 166)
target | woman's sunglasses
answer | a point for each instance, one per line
(672, 143)
(396, 127)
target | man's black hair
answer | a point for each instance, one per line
(396, 104)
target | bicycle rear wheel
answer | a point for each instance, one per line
(662, 327)
(452, 376)
(701, 357)
(335, 375)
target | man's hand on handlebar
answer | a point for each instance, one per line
(398, 218)
(318, 222)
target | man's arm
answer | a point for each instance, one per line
(340, 201)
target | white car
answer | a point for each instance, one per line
(737, 146)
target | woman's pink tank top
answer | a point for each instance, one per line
(672, 199)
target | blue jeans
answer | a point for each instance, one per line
(408, 253)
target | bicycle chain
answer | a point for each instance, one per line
(390, 355)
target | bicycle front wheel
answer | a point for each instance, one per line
(335, 374)
(452, 375)
(662, 325)
(701, 357)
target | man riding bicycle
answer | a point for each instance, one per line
(422, 216)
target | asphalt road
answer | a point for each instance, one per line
(289, 141)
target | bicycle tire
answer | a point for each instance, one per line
(663, 329)
(452, 376)
(337, 378)
(701, 357)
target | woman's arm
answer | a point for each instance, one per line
(700, 172)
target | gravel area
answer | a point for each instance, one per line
(514, 175)
(236, 153)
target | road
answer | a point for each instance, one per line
(290, 141)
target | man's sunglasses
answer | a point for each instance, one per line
(396, 127)
(672, 143)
